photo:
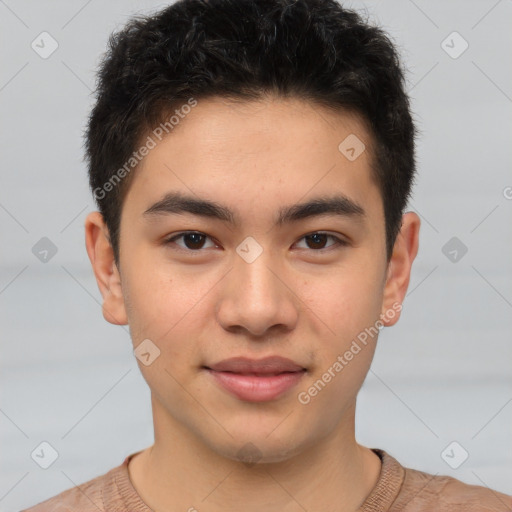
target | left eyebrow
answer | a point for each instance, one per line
(175, 203)
(339, 206)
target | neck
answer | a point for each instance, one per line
(180, 473)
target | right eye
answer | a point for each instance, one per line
(194, 240)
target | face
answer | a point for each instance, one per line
(255, 274)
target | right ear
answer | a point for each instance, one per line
(101, 254)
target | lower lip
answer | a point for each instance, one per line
(252, 388)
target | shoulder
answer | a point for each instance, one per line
(422, 492)
(84, 497)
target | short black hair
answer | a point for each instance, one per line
(315, 50)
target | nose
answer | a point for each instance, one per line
(256, 298)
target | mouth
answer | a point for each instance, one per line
(256, 380)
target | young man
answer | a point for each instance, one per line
(252, 160)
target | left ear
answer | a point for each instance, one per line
(399, 268)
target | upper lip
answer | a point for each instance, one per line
(267, 365)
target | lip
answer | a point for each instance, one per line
(267, 365)
(254, 380)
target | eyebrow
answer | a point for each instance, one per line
(175, 203)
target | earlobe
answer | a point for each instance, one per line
(105, 270)
(399, 268)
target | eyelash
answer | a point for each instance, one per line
(338, 241)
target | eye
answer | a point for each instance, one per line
(194, 240)
(318, 240)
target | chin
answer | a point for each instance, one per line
(258, 447)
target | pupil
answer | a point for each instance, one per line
(316, 237)
(196, 237)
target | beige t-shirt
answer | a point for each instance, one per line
(398, 489)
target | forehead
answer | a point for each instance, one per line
(257, 155)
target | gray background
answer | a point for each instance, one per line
(442, 374)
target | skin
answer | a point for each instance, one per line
(294, 300)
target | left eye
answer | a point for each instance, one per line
(320, 238)
(194, 240)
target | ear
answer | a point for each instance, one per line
(399, 268)
(101, 254)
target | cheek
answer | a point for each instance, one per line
(344, 352)
(347, 303)
(170, 309)
(159, 298)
